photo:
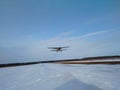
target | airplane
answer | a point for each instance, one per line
(58, 49)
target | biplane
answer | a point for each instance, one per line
(58, 49)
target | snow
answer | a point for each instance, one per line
(60, 77)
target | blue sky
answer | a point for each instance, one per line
(28, 27)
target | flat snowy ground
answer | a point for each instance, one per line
(60, 77)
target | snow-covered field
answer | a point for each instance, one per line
(60, 77)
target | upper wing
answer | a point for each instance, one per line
(57, 47)
(64, 47)
(53, 47)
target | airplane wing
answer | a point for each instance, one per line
(64, 47)
(57, 47)
(52, 47)
(53, 50)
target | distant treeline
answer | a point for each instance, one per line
(67, 61)
(101, 57)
